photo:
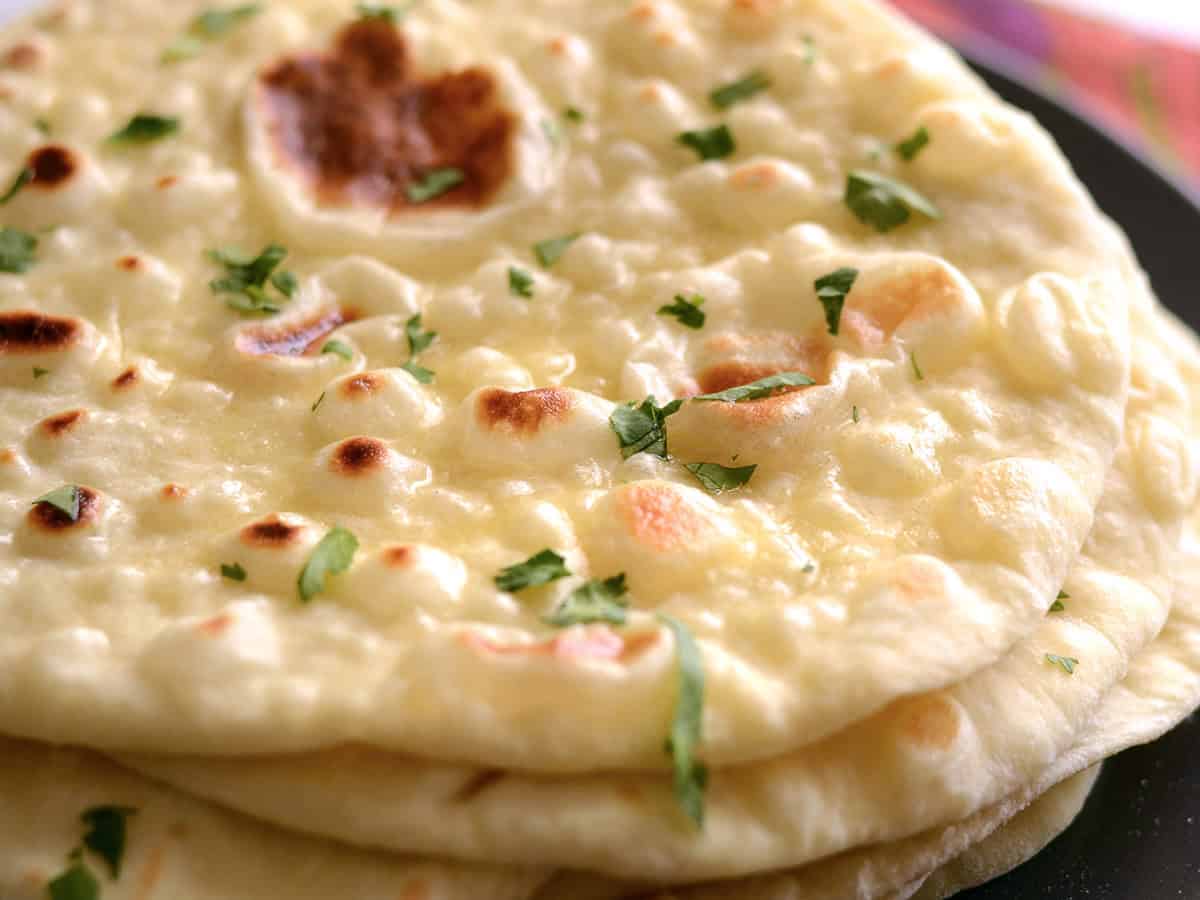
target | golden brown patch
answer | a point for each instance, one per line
(742, 359)
(871, 318)
(659, 517)
(919, 579)
(523, 412)
(929, 720)
(8, 456)
(358, 456)
(151, 872)
(174, 492)
(400, 557)
(643, 12)
(757, 177)
(560, 46)
(22, 56)
(362, 386)
(44, 517)
(296, 338)
(52, 166)
(216, 626)
(271, 532)
(126, 379)
(417, 890)
(57, 426)
(167, 181)
(595, 642)
(666, 39)
(477, 784)
(363, 126)
(129, 263)
(24, 332)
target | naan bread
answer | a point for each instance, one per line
(912, 516)
(921, 763)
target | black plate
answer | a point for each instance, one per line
(1138, 838)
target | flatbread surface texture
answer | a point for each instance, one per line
(536, 182)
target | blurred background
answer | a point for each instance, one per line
(1134, 64)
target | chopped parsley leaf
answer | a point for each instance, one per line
(520, 282)
(595, 601)
(18, 250)
(744, 88)
(810, 49)
(144, 128)
(75, 883)
(23, 178)
(106, 834)
(418, 340)
(208, 26)
(541, 568)
(1066, 663)
(435, 183)
(642, 428)
(916, 367)
(832, 290)
(65, 499)
(883, 202)
(422, 374)
(39, 372)
(1063, 595)
(332, 556)
(319, 401)
(686, 310)
(391, 14)
(710, 143)
(551, 250)
(908, 149)
(690, 775)
(573, 114)
(246, 279)
(718, 479)
(854, 414)
(342, 349)
(1058, 606)
(233, 572)
(756, 390)
(42, 125)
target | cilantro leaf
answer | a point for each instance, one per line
(340, 348)
(573, 114)
(909, 148)
(23, 178)
(246, 279)
(1058, 605)
(520, 282)
(551, 250)
(1066, 663)
(316, 405)
(710, 143)
(690, 775)
(18, 250)
(39, 372)
(756, 390)
(65, 499)
(744, 88)
(208, 26)
(144, 128)
(331, 556)
(854, 415)
(595, 601)
(832, 290)
(686, 310)
(423, 375)
(916, 367)
(435, 183)
(106, 834)
(75, 883)
(233, 572)
(718, 479)
(884, 203)
(642, 428)
(418, 340)
(541, 568)
(390, 14)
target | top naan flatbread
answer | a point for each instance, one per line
(912, 515)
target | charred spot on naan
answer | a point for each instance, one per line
(593, 642)
(733, 360)
(25, 55)
(127, 379)
(59, 425)
(49, 519)
(928, 721)
(659, 517)
(52, 166)
(302, 336)
(129, 263)
(363, 127)
(360, 387)
(273, 532)
(173, 493)
(358, 456)
(24, 332)
(401, 556)
(522, 412)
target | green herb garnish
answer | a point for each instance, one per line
(106, 834)
(854, 414)
(710, 143)
(392, 14)
(884, 203)
(541, 568)
(435, 183)
(65, 499)
(756, 390)
(916, 367)
(39, 372)
(145, 128)
(573, 114)
(332, 556)
(75, 883)
(595, 601)
(341, 348)
(690, 775)
(18, 250)
(908, 149)
(744, 88)
(1066, 663)
(233, 572)
(23, 178)
(642, 428)
(718, 479)
(42, 125)
(319, 401)
(687, 310)
(418, 340)
(520, 282)
(246, 279)
(550, 251)
(208, 26)
(832, 290)
(1058, 605)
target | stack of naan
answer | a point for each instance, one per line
(478, 450)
